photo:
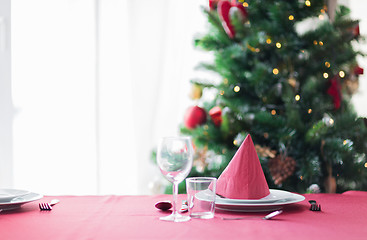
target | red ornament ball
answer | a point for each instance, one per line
(216, 115)
(194, 117)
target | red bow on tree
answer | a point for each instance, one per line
(224, 8)
(358, 70)
(334, 91)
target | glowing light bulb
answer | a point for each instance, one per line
(245, 4)
(309, 111)
(321, 43)
(342, 74)
(273, 112)
(236, 89)
(275, 71)
(325, 75)
(297, 97)
(278, 45)
(327, 64)
(308, 3)
(291, 17)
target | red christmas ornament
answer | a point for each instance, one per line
(224, 8)
(358, 70)
(194, 117)
(335, 92)
(216, 115)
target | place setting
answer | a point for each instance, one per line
(241, 187)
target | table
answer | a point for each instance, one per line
(343, 216)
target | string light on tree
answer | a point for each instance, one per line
(327, 64)
(297, 97)
(291, 17)
(268, 41)
(278, 45)
(309, 111)
(321, 43)
(325, 75)
(342, 74)
(236, 89)
(273, 112)
(308, 3)
(275, 71)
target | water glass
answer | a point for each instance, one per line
(201, 196)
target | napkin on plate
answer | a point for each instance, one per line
(243, 178)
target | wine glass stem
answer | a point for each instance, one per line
(175, 193)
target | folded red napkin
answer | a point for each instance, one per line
(243, 178)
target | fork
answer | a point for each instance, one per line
(314, 206)
(48, 206)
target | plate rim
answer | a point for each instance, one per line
(293, 198)
(21, 200)
(256, 201)
(12, 196)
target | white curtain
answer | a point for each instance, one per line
(95, 85)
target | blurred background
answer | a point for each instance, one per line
(89, 87)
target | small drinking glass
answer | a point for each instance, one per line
(174, 158)
(201, 196)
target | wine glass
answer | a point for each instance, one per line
(174, 157)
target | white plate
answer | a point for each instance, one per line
(18, 201)
(7, 195)
(277, 199)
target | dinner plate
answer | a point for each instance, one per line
(276, 200)
(18, 201)
(8, 194)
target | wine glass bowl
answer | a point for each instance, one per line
(174, 158)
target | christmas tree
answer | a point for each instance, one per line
(287, 71)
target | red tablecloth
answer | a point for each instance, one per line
(343, 216)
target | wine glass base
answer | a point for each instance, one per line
(176, 218)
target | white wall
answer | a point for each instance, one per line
(6, 109)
